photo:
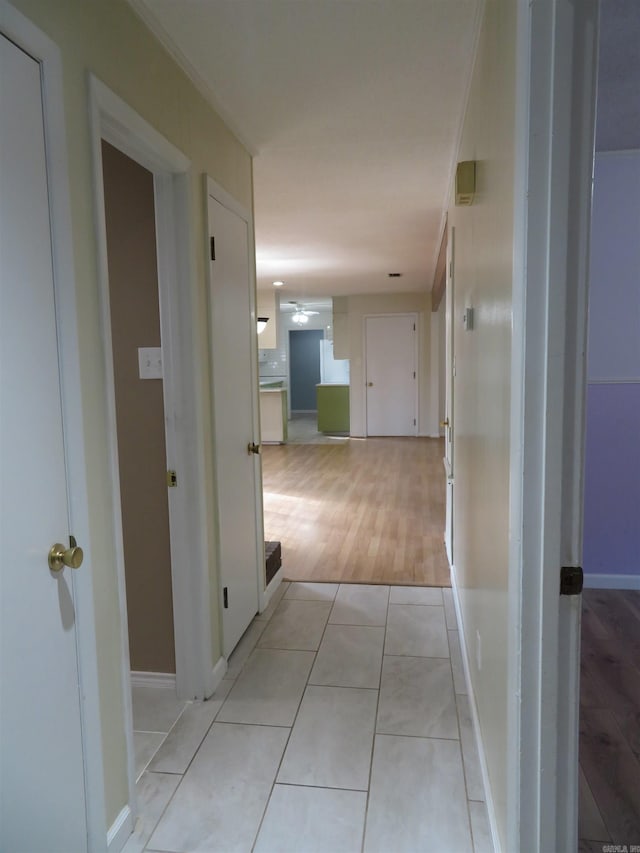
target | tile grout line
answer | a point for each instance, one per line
(275, 778)
(375, 725)
(197, 750)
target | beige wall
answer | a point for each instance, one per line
(105, 37)
(348, 338)
(483, 280)
(142, 454)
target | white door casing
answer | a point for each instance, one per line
(235, 416)
(115, 121)
(555, 121)
(49, 718)
(391, 370)
(449, 398)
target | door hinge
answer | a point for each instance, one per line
(414, 327)
(213, 248)
(414, 421)
(571, 580)
(172, 479)
(414, 374)
(225, 597)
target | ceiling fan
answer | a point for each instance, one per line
(301, 315)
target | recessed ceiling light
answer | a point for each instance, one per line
(394, 274)
(278, 283)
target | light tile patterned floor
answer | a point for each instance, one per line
(342, 725)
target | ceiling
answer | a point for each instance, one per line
(352, 110)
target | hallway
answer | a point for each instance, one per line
(363, 510)
(342, 724)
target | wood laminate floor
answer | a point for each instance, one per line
(610, 720)
(360, 511)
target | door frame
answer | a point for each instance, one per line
(28, 37)
(117, 123)
(556, 53)
(449, 450)
(213, 189)
(416, 362)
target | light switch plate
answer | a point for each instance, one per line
(150, 362)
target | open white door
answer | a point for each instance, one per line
(44, 793)
(557, 50)
(449, 382)
(237, 433)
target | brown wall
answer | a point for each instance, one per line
(135, 322)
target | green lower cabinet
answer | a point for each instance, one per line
(333, 408)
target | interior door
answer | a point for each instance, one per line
(449, 382)
(238, 474)
(42, 795)
(391, 374)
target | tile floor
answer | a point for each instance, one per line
(342, 725)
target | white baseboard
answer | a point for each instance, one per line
(218, 672)
(474, 715)
(594, 581)
(267, 594)
(153, 679)
(120, 830)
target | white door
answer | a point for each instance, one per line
(449, 382)
(42, 795)
(391, 374)
(235, 421)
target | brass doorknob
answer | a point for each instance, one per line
(61, 556)
(445, 422)
(369, 384)
(252, 447)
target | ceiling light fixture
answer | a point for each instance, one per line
(262, 322)
(300, 318)
(278, 283)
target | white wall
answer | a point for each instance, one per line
(614, 294)
(483, 268)
(611, 554)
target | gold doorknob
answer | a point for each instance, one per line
(445, 422)
(369, 384)
(60, 556)
(252, 447)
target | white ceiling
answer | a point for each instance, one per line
(352, 109)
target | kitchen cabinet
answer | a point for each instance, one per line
(333, 408)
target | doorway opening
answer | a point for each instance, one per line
(195, 674)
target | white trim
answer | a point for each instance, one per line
(115, 121)
(215, 191)
(555, 98)
(417, 344)
(112, 119)
(20, 30)
(218, 673)
(267, 594)
(632, 380)
(484, 769)
(593, 580)
(120, 830)
(162, 680)
(624, 152)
